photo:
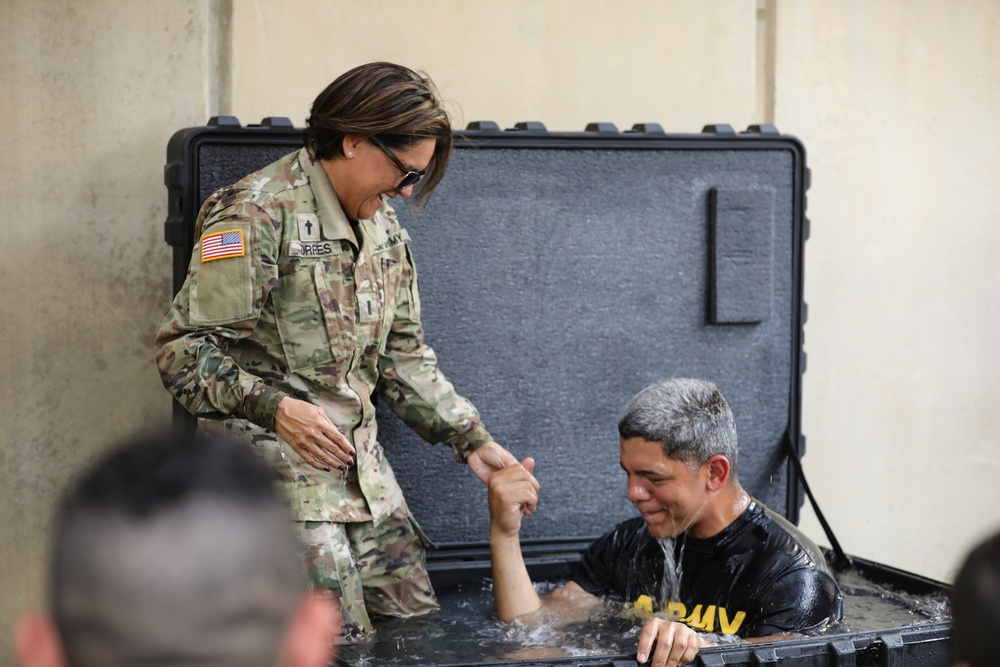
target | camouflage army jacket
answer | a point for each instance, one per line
(286, 297)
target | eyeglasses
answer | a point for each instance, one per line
(410, 177)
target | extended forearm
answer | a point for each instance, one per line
(513, 592)
(415, 389)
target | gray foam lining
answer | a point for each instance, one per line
(556, 283)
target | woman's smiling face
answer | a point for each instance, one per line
(369, 176)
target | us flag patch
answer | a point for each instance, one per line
(222, 245)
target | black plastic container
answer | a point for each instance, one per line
(562, 272)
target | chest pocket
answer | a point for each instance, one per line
(309, 320)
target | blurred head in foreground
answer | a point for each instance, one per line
(178, 551)
(975, 607)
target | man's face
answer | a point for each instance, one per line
(669, 496)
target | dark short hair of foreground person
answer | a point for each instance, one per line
(177, 550)
(975, 607)
(744, 571)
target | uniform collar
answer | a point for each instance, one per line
(332, 217)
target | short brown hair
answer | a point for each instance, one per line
(392, 102)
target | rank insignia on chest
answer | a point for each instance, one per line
(222, 244)
(308, 227)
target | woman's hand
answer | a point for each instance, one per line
(488, 459)
(308, 431)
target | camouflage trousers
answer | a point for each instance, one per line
(374, 570)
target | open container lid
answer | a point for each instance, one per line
(562, 272)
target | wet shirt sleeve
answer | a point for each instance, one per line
(596, 571)
(232, 270)
(803, 599)
(411, 383)
(615, 565)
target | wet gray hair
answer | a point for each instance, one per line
(690, 418)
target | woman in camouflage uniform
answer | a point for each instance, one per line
(300, 302)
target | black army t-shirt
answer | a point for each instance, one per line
(757, 577)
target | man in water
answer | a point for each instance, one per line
(174, 552)
(740, 569)
(975, 607)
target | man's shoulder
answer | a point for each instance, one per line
(785, 537)
(785, 573)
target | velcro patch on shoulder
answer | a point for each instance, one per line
(223, 292)
(220, 245)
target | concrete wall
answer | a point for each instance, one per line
(895, 101)
(562, 62)
(89, 94)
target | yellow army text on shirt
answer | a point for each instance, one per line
(315, 307)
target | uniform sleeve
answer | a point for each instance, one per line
(803, 599)
(413, 386)
(218, 305)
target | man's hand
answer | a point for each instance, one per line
(488, 459)
(513, 493)
(676, 643)
(307, 430)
